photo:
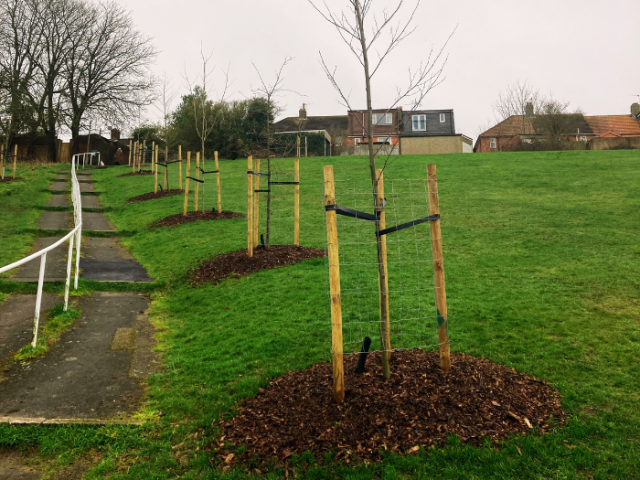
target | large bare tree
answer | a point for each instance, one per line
(107, 68)
(372, 32)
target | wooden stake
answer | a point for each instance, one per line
(186, 185)
(385, 317)
(334, 287)
(250, 193)
(180, 171)
(256, 204)
(215, 156)
(438, 268)
(130, 145)
(154, 166)
(306, 148)
(197, 183)
(15, 159)
(296, 202)
(298, 147)
(165, 184)
(2, 159)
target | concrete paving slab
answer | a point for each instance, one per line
(91, 201)
(62, 177)
(96, 222)
(60, 187)
(80, 377)
(16, 321)
(58, 201)
(106, 260)
(55, 221)
(13, 466)
(56, 267)
(87, 187)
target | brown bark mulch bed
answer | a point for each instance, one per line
(8, 179)
(417, 407)
(135, 174)
(179, 219)
(150, 196)
(239, 264)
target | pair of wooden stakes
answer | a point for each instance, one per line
(15, 159)
(334, 276)
(253, 201)
(196, 179)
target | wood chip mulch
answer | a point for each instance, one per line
(6, 179)
(238, 263)
(179, 219)
(150, 196)
(418, 406)
(135, 174)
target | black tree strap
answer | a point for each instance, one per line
(284, 183)
(197, 180)
(175, 161)
(261, 174)
(162, 164)
(262, 191)
(412, 223)
(250, 172)
(348, 212)
(212, 171)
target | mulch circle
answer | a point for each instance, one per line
(179, 219)
(239, 263)
(6, 180)
(150, 196)
(417, 407)
(135, 174)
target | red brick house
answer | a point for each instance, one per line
(507, 135)
(386, 127)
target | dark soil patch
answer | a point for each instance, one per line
(150, 196)
(239, 264)
(418, 406)
(8, 179)
(179, 219)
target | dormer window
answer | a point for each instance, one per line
(419, 123)
(443, 118)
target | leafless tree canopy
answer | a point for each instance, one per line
(64, 61)
(514, 98)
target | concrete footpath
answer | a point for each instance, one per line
(95, 372)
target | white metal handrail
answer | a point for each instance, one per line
(75, 234)
(90, 156)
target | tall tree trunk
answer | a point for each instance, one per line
(377, 205)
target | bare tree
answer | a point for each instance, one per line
(555, 122)
(366, 32)
(513, 100)
(270, 91)
(107, 68)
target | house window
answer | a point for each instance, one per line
(357, 141)
(583, 139)
(386, 140)
(443, 118)
(419, 123)
(382, 119)
(493, 143)
(338, 141)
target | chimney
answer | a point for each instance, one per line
(303, 112)
(115, 134)
(635, 110)
(528, 110)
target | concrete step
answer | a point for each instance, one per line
(58, 201)
(55, 221)
(106, 260)
(56, 267)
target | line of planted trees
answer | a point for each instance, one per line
(64, 62)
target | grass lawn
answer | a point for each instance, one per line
(541, 258)
(20, 203)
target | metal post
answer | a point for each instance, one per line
(69, 261)
(36, 320)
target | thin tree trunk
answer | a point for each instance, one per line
(377, 205)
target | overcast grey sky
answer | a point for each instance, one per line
(585, 52)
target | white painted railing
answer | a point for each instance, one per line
(88, 157)
(75, 234)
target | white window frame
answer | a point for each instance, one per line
(583, 138)
(356, 141)
(493, 143)
(443, 117)
(419, 118)
(378, 117)
(386, 140)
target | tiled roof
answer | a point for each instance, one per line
(514, 125)
(334, 122)
(623, 125)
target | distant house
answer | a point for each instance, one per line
(112, 150)
(509, 134)
(432, 132)
(386, 127)
(333, 127)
